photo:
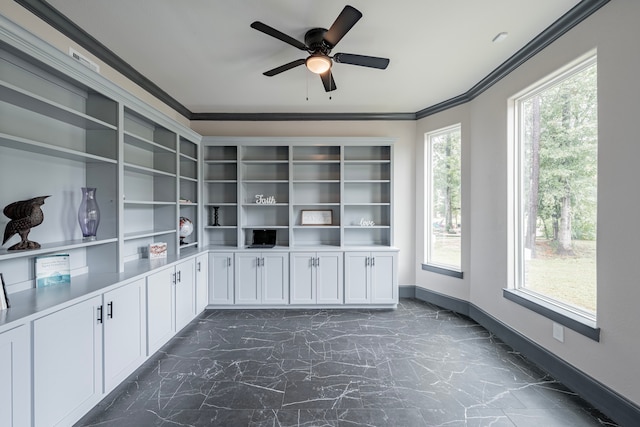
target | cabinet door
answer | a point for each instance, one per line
(185, 293)
(302, 289)
(248, 280)
(202, 282)
(275, 278)
(159, 309)
(124, 332)
(384, 286)
(329, 278)
(67, 363)
(357, 277)
(221, 278)
(15, 371)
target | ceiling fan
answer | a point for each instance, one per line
(319, 42)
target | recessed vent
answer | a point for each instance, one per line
(84, 60)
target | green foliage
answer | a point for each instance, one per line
(567, 152)
(446, 176)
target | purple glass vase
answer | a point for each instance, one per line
(89, 214)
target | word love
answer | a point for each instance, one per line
(261, 200)
(366, 223)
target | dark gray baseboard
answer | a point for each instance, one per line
(615, 406)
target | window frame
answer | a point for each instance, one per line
(428, 264)
(571, 317)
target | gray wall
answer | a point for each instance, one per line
(615, 33)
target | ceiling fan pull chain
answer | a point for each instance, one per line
(307, 80)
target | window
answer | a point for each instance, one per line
(556, 137)
(442, 210)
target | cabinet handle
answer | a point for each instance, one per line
(229, 261)
(373, 261)
(366, 261)
(180, 276)
(198, 268)
(318, 262)
(99, 314)
(262, 261)
(110, 310)
(173, 278)
(312, 261)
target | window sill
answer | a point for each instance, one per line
(442, 270)
(571, 320)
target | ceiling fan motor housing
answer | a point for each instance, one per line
(314, 39)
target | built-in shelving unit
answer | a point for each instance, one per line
(259, 183)
(63, 127)
(221, 194)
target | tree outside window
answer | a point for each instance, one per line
(443, 214)
(558, 138)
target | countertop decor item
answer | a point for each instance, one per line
(89, 213)
(53, 270)
(186, 228)
(216, 216)
(317, 217)
(24, 215)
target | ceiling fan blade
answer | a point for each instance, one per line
(362, 60)
(343, 23)
(257, 25)
(284, 68)
(327, 81)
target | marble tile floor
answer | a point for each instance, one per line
(415, 366)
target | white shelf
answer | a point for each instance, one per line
(220, 162)
(186, 178)
(148, 203)
(264, 206)
(54, 247)
(147, 171)
(30, 101)
(149, 233)
(145, 144)
(24, 144)
(186, 157)
(265, 181)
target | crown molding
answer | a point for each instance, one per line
(301, 116)
(53, 17)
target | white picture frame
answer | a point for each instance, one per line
(317, 217)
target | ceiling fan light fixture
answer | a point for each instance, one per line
(318, 63)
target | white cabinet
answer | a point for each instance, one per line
(202, 282)
(371, 278)
(221, 278)
(170, 303)
(316, 278)
(15, 371)
(262, 278)
(159, 309)
(124, 332)
(184, 288)
(67, 363)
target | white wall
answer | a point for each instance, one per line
(404, 166)
(614, 31)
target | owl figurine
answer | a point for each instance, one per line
(24, 215)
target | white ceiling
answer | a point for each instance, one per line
(204, 54)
